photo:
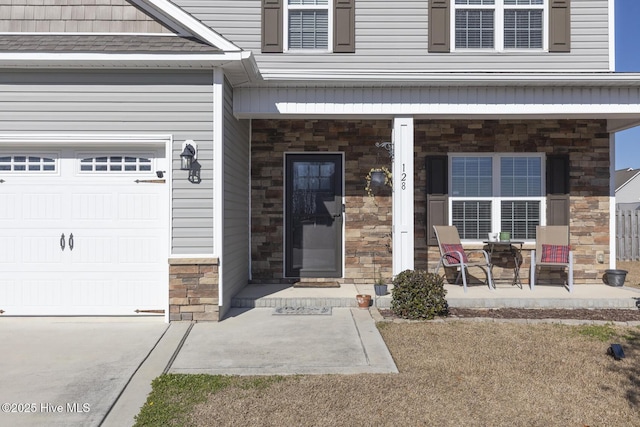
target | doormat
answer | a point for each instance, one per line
(329, 284)
(303, 310)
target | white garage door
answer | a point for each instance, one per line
(82, 232)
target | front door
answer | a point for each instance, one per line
(313, 215)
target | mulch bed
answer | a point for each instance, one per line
(610, 315)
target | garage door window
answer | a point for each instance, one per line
(27, 163)
(115, 164)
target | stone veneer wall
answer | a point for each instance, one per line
(193, 289)
(586, 142)
(367, 220)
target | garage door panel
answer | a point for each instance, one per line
(139, 250)
(42, 206)
(8, 208)
(113, 257)
(89, 251)
(139, 207)
(92, 207)
(44, 249)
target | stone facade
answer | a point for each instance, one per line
(585, 141)
(193, 289)
(368, 220)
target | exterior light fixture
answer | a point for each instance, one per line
(188, 155)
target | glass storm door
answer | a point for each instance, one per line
(313, 215)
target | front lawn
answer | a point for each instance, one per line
(455, 373)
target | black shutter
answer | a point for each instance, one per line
(272, 26)
(437, 168)
(558, 189)
(344, 26)
(439, 26)
(560, 26)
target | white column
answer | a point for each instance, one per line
(612, 201)
(403, 247)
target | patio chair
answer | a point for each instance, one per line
(452, 254)
(552, 251)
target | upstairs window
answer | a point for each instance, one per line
(308, 24)
(319, 26)
(499, 24)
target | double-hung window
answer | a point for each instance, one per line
(498, 192)
(499, 24)
(307, 24)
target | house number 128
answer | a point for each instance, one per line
(403, 178)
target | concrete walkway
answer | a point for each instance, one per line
(257, 342)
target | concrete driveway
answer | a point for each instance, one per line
(67, 370)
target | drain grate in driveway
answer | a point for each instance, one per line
(302, 310)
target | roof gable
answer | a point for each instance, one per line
(103, 17)
(73, 16)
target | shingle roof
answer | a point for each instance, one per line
(107, 43)
(623, 176)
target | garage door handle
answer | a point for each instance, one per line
(62, 242)
(71, 241)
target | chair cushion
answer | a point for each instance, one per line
(452, 258)
(555, 253)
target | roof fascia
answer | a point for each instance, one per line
(49, 60)
(187, 21)
(367, 77)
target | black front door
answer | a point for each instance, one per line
(313, 215)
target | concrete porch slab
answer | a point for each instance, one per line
(477, 296)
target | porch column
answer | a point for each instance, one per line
(403, 247)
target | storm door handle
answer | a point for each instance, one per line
(62, 242)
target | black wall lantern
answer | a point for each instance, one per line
(188, 155)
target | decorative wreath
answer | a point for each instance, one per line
(387, 179)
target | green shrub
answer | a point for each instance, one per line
(418, 294)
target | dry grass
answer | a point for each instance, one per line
(633, 277)
(457, 374)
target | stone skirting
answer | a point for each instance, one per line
(193, 289)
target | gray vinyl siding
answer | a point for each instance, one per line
(235, 268)
(392, 35)
(133, 103)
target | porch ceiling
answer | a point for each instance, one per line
(615, 97)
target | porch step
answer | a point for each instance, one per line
(275, 295)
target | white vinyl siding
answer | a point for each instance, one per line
(394, 36)
(132, 103)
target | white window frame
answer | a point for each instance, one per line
(294, 7)
(498, 37)
(495, 199)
